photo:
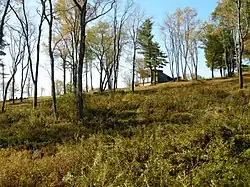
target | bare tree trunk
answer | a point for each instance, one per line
(7, 86)
(24, 78)
(83, 22)
(241, 45)
(28, 87)
(182, 69)
(35, 103)
(109, 80)
(91, 76)
(196, 72)
(221, 72)
(74, 78)
(118, 37)
(133, 73)
(80, 64)
(13, 90)
(109, 76)
(101, 75)
(226, 61)
(231, 63)
(5, 95)
(86, 76)
(151, 75)
(117, 64)
(212, 69)
(35, 80)
(155, 75)
(50, 19)
(196, 53)
(3, 77)
(115, 43)
(71, 80)
(64, 77)
(240, 76)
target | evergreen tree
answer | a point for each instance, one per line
(153, 56)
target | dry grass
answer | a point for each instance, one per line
(173, 134)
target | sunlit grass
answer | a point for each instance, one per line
(173, 134)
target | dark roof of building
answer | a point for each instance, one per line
(162, 77)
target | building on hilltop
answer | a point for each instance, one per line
(144, 78)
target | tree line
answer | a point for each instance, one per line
(99, 34)
(225, 38)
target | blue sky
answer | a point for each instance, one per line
(157, 9)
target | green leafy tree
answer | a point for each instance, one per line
(213, 48)
(225, 22)
(99, 41)
(235, 14)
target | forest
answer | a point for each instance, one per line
(187, 130)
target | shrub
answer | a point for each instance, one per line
(179, 134)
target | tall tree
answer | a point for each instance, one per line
(136, 21)
(180, 35)
(189, 25)
(16, 49)
(24, 75)
(61, 52)
(2, 23)
(2, 43)
(243, 25)
(224, 22)
(100, 42)
(119, 21)
(50, 18)
(213, 47)
(153, 56)
(84, 20)
(28, 33)
(236, 14)
(67, 25)
(89, 57)
(170, 31)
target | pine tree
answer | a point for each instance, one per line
(153, 56)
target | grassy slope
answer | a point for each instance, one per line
(174, 134)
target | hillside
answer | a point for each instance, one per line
(173, 134)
